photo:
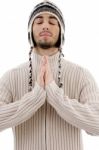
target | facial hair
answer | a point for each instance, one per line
(45, 45)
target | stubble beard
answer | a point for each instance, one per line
(45, 45)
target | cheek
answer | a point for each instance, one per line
(35, 31)
(56, 32)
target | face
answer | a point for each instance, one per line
(45, 30)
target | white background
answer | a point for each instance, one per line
(81, 43)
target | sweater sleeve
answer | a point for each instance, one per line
(14, 113)
(81, 115)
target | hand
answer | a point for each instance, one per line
(45, 75)
(48, 74)
(41, 74)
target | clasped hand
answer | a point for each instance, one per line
(45, 75)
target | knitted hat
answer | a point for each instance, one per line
(50, 8)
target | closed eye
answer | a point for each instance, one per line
(38, 20)
(53, 21)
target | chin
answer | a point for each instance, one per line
(45, 45)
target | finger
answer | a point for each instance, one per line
(42, 61)
(47, 63)
(42, 69)
(41, 73)
(42, 64)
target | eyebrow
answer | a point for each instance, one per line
(39, 17)
(50, 17)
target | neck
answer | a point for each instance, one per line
(48, 52)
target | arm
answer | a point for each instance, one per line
(83, 116)
(12, 114)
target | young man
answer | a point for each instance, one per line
(48, 100)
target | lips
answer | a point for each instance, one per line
(45, 33)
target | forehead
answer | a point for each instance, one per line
(46, 15)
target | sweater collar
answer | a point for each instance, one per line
(36, 60)
(52, 58)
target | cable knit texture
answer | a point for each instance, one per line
(50, 118)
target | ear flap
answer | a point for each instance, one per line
(63, 38)
(29, 37)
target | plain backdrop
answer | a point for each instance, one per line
(81, 44)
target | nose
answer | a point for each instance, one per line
(46, 26)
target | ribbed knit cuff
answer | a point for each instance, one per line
(54, 93)
(38, 87)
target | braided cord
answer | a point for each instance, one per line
(30, 70)
(60, 84)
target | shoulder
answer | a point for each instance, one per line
(71, 66)
(23, 67)
(77, 69)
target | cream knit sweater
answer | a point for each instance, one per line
(54, 124)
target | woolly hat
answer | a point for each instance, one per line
(50, 8)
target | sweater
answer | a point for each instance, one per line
(50, 118)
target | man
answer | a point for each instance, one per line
(48, 111)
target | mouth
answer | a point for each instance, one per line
(46, 33)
